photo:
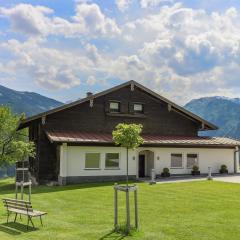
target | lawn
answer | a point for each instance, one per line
(194, 210)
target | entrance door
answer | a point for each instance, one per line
(141, 166)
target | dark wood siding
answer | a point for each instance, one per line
(44, 166)
(156, 120)
(47, 158)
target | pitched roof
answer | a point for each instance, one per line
(100, 138)
(207, 125)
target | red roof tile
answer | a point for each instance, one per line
(81, 137)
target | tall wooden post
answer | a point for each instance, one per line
(136, 208)
(16, 191)
(115, 207)
(22, 190)
(127, 211)
(30, 191)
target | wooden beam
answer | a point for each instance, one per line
(91, 103)
(43, 120)
(132, 87)
(169, 107)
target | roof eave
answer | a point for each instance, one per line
(149, 144)
(24, 123)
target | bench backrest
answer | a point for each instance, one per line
(17, 204)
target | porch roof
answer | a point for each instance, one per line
(154, 140)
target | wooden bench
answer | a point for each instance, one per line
(22, 207)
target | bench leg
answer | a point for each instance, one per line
(28, 223)
(30, 218)
(7, 216)
(15, 217)
(41, 220)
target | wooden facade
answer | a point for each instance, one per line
(93, 116)
(156, 118)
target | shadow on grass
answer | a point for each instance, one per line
(113, 236)
(8, 188)
(14, 228)
(48, 189)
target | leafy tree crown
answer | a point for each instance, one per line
(14, 145)
(128, 135)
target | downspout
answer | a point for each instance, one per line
(236, 159)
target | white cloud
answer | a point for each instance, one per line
(52, 77)
(186, 51)
(38, 20)
(92, 53)
(91, 80)
(92, 18)
(123, 5)
(153, 3)
(28, 19)
(177, 51)
(195, 41)
(50, 68)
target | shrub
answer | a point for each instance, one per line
(165, 172)
(223, 169)
(195, 168)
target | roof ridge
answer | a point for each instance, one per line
(175, 106)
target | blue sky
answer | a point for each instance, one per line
(62, 48)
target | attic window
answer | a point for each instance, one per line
(114, 107)
(138, 108)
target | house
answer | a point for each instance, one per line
(74, 142)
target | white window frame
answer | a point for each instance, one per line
(112, 168)
(187, 159)
(182, 167)
(119, 106)
(99, 168)
(136, 111)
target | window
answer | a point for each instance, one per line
(192, 159)
(92, 160)
(176, 160)
(138, 108)
(114, 107)
(112, 160)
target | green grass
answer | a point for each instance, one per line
(177, 211)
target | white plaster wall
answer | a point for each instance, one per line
(75, 160)
(206, 158)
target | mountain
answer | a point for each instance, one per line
(223, 112)
(234, 100)
(29, 103)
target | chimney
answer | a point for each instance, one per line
(89, 94)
